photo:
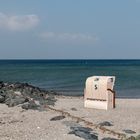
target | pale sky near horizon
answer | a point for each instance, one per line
(69, 29)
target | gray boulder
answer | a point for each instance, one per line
(129, 131)
(105, 123)
(30, 105)
(2, 99)
(15, 101)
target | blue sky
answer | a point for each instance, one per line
(69, 29)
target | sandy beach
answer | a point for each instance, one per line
(69, 70)
(19, 124)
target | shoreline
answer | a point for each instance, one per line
(65, 93)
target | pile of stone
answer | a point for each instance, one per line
(25, 95)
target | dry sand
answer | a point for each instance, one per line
(19, 124)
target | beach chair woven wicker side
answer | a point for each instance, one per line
(99, 92)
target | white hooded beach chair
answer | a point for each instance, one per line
(99, 92)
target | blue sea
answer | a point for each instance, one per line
(68, 76)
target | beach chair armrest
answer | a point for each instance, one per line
(111, 96)
(111, 90)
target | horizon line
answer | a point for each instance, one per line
(69, 59)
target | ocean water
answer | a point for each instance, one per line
(68, 76)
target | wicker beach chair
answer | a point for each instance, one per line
(99, 92)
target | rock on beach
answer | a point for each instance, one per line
(28, 96)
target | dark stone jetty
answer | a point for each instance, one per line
(25, 95)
